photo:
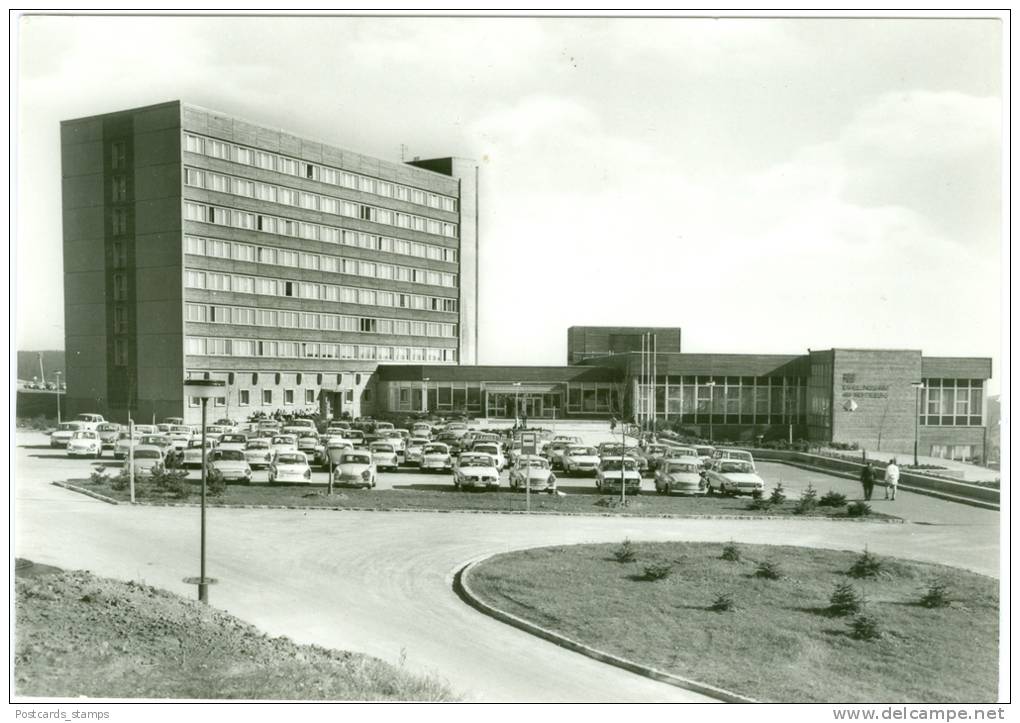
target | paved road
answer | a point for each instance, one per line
(380, 582)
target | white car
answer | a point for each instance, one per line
(336, 446)
(741, 454)
(384, 455)
(290, 466)
(309, 443)
(303, 423)
(192, 455)
(160, 441)
(355, 469)
(172, 420)
(614, 472)
(85, 443)
(180, 435)
(90, 421)
(233, 440)
(63, 433)
(214, 431)
(421, 429)
(704, 453)
(283, 443)
(733, 477)
(258, 453)
(413, 450)
(577, 459)
(435, 457)
(109, 433)
(532, 472)
(356, 437)
(493, 450)
(475, 470)
(123, 444)
(383, 426)
(680, 475)
(231, 464)
(146, 458)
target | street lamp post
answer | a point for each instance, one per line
(711, 407)
(203, 389)
(517, 401)
(424, 395)
(58, 397)
(918, 386)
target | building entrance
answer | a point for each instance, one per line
(533, 405)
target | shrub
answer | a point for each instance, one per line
(937, 595)
(768, 570)
(215, 484)
(778, 495)
(171, 482)
(759, 503)
(858, 509)
(122, 481)
(730, 552)
(625, 552)
(867, 565)
(865, 627)
(723, 603)
(807, 502)
(657, 571)
(845, 600)
(98, 475)
(832, 499)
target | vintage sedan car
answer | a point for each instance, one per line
(160, 441)
(476, 471)
(290, 466)
(308, 441)
(258, 452)
(733, 477)
(124, 443)
(143, 429)
(435, 457)
(336, 445)
(90, 420)
(493, 449)
(337, 428)
(384, 455)
(109, 433)
(578, 459)
(614, 472)
(655, 453)
(569, 438)
(730, 453)
(216, 430)
(231, 464)
(172, 420)
(233, 440)
(283, 443)
(355, 469)
(146, 459)
(180, 435)
(63, 433)
(421, 429)
(382, 426)
(413, 450)
(615, 449)
(192, 454)
(85, 443)
(532, 472)
(356, 436)
(680, 476)
(554, 452)
(705, 453)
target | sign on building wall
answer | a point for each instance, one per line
(852, 390)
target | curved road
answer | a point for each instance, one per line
(380, 582)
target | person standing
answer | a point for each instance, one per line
(868, 480)
(892, 479)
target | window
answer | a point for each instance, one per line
(118, 189)
(120, 287)
(119, 320)
(244, 397)
(309, 396)
(220, 402)
(118, 155)
(267, 396)
(120, 352)
(288, 396)
(119, 221)
(119, 255)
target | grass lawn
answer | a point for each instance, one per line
(780, 643)
(442, 496)
(81, 635)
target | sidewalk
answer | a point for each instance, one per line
(970, 472)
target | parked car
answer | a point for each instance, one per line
(124, 443)
(534, 472)
(705, 453)
(421, 429)
(231, 464)
(382, 426)
(63, 433)
(192, 454)
(172, 420)
(357, 437)
(143, 429)
(233, 440)
(355, 469)
(258, 452)
(284, 443)
(435, 457)
(412, 453)
(492, 449)
(85, 443)
(384, 456)
(578, 459)
(570, 438)
(290, 466)
(308, 442)
(680, 475)
(337, 428)
(554, 452)
(733, 477)
(336, 446)
(180, 435)
(655, 453)
(216, 430)
(730, 453)
(614, 472)
(160, 441)
(89, 420)
(476, 471)
(109, 433)
(146, 459)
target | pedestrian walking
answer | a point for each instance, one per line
(892, 479)
(868, 480)
(612, 424)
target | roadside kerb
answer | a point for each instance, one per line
(463, 589)
(553, 513)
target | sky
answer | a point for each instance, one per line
(768, 185)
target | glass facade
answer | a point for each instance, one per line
(952, 403)
(541, 401)
(727, 399)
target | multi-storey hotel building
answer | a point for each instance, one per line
(200, 244)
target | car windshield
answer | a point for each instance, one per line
(84, 435)
(435, 449)
(231, 455)
(158, 441)
(197, 444)
(258, 444)
(704, 451)
(232, 438)
(534, 462)
(355, 459)
(735, 466)
(476, 460)
(283, 440)
(108, 427)
(290, 459)
(582, 451)
(185, 430)
(613, 465)
(146, 454)
(385, 448)
(486, 449)
(683, 467)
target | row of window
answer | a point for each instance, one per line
(244, 398)
(951, 402)
(217, 346)
(249, 221)
(321, 292)
(315, 172)
(217, 248)
(777, 398)
(270, 193)
(248, 316)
